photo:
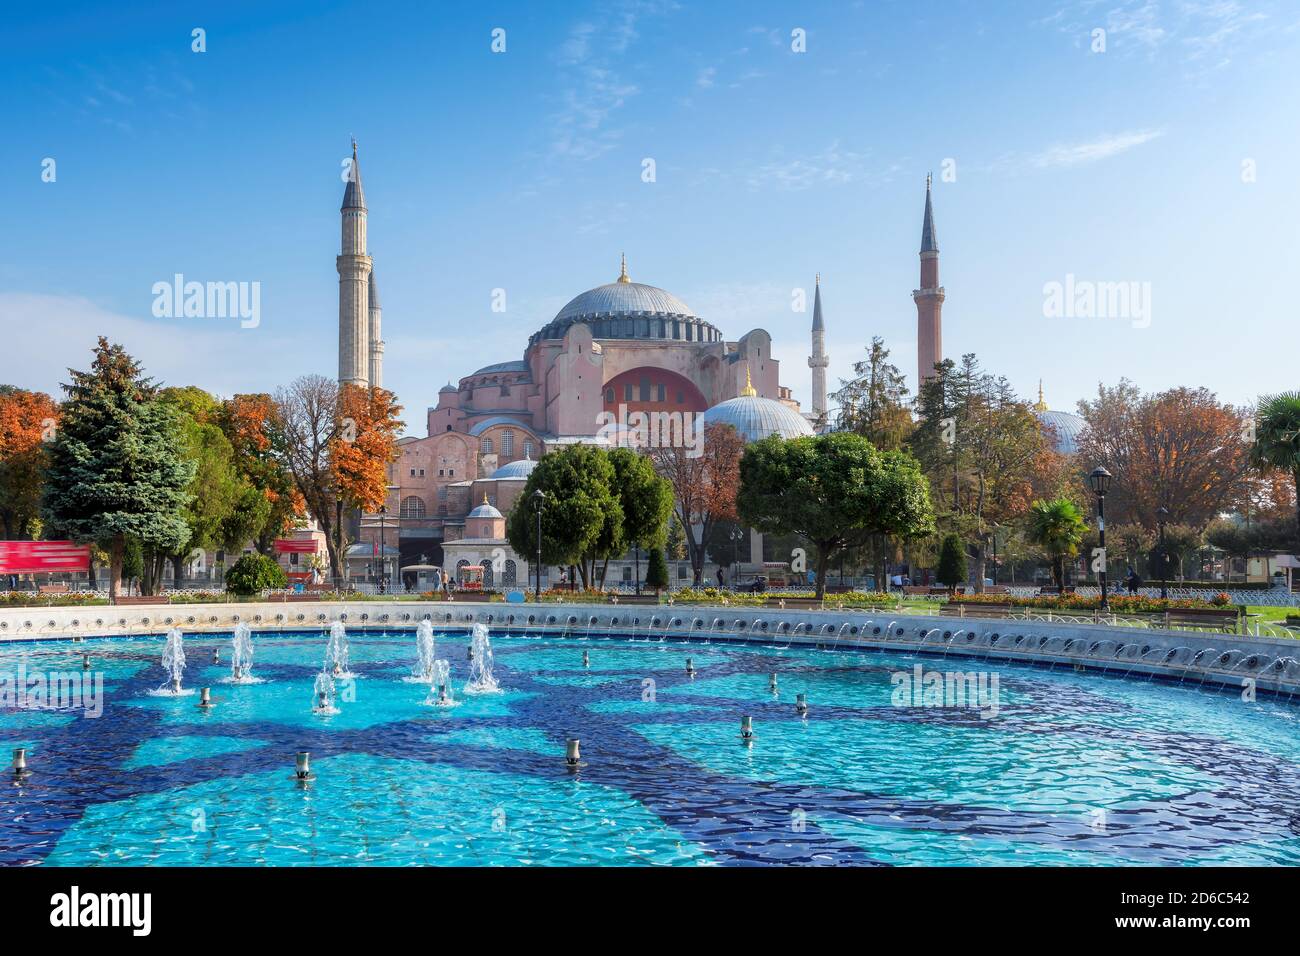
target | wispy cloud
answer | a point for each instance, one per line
(1202, 34)
(832, 166)
(593, 89)
(1092, 151)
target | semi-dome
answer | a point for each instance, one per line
(516, 469)
(624, 309)
(755, 418)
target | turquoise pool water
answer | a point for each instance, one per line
(1070, 769)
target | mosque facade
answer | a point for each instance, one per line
(613, 351)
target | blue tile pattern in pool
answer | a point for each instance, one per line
(1074, 768)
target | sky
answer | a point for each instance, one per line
(1160, 153)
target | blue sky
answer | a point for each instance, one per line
(523, 171)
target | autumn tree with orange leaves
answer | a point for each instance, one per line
(249, 421)
(336, 443)
(26, 420)
(1180, 449)
(704, 487)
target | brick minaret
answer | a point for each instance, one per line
(818, 360)
(929, 300)
(354, 284)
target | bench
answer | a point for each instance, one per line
(974, 609)
(633, 599)
(1218, 620)
(142, 599)
(794, 603)
(52, 589)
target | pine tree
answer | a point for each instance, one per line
(951, 570)
(656, 572)
(117, 465)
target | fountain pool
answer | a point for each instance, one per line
(1073, 769)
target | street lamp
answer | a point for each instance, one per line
(1162, 516)
(539, 499)
(383, 558)
(637, 565)
(1099, 480)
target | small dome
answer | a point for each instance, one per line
(1065, 429)
(756, 418)
(448, 388)
(515, 469)
(484, 510)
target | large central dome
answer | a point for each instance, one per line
(624, 309)
(624, 298)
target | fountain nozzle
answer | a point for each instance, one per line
(747, 728)
(302, 767)
(572, 752)
(20, 763)
(801, 704)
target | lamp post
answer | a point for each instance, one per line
(383, 557)
(1162, 516)
(637, 565)
(539, 499)
(1099, 480)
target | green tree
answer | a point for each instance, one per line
(951, 569)
(1277, 439)
(834, 491)
(1058, 528)
(117, 466)
(656, 572)
(982, 448)
(577, 511)
(873, 403)
(254, 573)
(645, 505)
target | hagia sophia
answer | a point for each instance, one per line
(614, 350)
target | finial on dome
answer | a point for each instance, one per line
(485, 501)
(354, 149)
(622, 272)
(819, 278)
(748, 391)
(1041, 405)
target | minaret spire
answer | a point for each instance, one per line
(928, 298)
(354, 267)
(818, 360)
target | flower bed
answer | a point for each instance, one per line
(1119, 603)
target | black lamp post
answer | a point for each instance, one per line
(1099, 480)
(383, 558)
(637, 572)
(539, 499)
(1162, 516)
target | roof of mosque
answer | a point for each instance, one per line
(1066, 426)
(516, 366)
(516, 469)
(624, 309)
(480, 427)
(755, 418)
(484, 510)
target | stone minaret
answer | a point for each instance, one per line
(929, 300)
(376, 342)
(819, 359)
(354, 281)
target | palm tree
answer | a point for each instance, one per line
(1277, 438)
(1058, 528)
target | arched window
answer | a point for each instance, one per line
(487, 446)
(507, 442)
(412, 507)
(528, 446)
(510, 573)
(486, 565)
